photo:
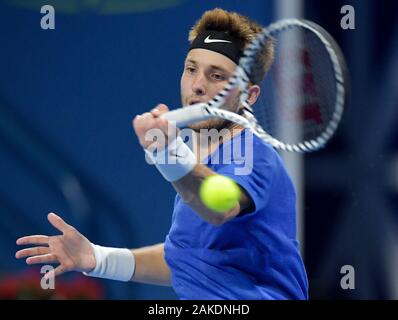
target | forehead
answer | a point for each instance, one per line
(207, 58)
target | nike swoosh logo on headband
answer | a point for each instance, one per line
(208, 40)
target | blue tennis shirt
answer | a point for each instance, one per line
(256, 254)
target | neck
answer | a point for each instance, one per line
(206, 145)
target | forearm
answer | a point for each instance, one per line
(178, 165)
(188, 188)
(151, 266)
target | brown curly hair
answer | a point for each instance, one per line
(237, 26)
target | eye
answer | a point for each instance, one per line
(218, 77)
(190, 69)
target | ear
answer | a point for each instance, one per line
(254, 92)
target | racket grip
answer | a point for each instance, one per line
(188, 115)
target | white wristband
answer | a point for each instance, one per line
(175, 161)
(112, 263)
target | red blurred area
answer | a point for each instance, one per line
(25, 285)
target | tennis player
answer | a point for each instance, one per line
(248, 252)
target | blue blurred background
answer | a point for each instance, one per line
(67, 98)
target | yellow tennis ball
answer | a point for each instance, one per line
(219, 193)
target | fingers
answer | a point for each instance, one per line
(135, 122)
(143, 125)
(154, 113)
(59, 223)
(31, 252)
(36, 239)
(45, 258)
(170, 131)
(55, 272)
(146, 116)
(159, 110)
(152, 120)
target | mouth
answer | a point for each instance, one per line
(192, 102)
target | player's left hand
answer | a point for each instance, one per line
(153, 131)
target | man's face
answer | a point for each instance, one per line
(205, 73)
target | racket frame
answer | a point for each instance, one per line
(187, 115)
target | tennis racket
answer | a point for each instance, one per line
(302, 96)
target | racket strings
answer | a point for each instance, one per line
(298, 96)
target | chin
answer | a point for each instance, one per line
(217, 124)
(206, 124)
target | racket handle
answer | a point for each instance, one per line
(188, 115)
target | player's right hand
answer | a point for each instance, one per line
(71, 250)
(153, 131)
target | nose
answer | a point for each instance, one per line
(199, 85)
